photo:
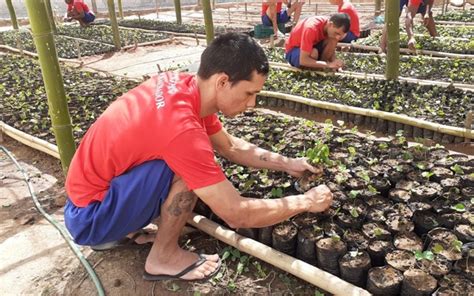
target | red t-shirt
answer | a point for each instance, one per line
(78, 5)
(350, 10)
(415, 2)
(159, 119)
(266, 5)
(306, 33)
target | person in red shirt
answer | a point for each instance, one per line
(151, 155)
(345, 6)
(312, 43)
(272, 13)
(78, 10)
(414, 7)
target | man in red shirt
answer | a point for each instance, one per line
(78, 10)
(151, 155)
(312, 42)
(345, 6)
(414, 7)
(272, 13)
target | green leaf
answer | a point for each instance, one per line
(377, 231)
(277, 192)
(354, 213)
(457, 245)
(354, 193)
(457, 169)
(437, 248)
(459, 207)
(317, 293)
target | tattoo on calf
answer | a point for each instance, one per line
(263, 158)
(182, 203)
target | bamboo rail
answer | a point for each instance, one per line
(399, 118)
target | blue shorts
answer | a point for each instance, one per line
(293, 56)
(349, 37)
(88, 18)
(133, 200)
(421, 8)
(282, 18)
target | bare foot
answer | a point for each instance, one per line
(175, 263)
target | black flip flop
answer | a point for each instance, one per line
(124, 242)
(162, 277)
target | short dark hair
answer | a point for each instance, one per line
(235, 54)
(341, 20)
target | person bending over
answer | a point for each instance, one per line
(414, 7)
(272, 13)
(78, 10)
(345, 6)
(150, 155)
(312, 43)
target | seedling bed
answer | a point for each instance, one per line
(104, 34)
(457, 15)
(419, 67)
(65, 47)
(444, 105)
(400, 211)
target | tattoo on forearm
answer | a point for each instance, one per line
(262, 158)
(182, 203)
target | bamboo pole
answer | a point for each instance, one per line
(29, 140)
(94, 7)
(177, 9)
(392, 10)
(301, 269)
(416, 122)
(207, 11)
(120, 8)
(157, 4)
(378, 7)
(11, 10)
(114, 24)
(53, 81)
(49, 11)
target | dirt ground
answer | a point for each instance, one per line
(35, 259)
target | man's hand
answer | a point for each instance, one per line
(320, 198)
(336, 64)
(411, 44)
(297, 166)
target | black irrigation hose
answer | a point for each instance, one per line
(64, 233)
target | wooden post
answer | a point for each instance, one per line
(392, 11)
(94, 7)
(468, 125)
(11, 10)
(114, 24)
(206, 9)
(53, 80)
(245, 5)
(157, 3)
(119, 3)
(316, 9)
(177, 9)
(378, 7)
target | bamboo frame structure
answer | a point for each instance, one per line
(392, 10)
(207, 11)
(49, 11)
(12, 12)
(53, 81)
(114, 24)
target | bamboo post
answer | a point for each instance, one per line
(120, 8)
(392, 10)
(206, 9)
(177, 9)
(245, 5)
(11, 9)
(53, 81)
(94, 6)
(157, 3)
(114, 24)
(468, 125)
(49, 11)
(378, 7)
(316, 9)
